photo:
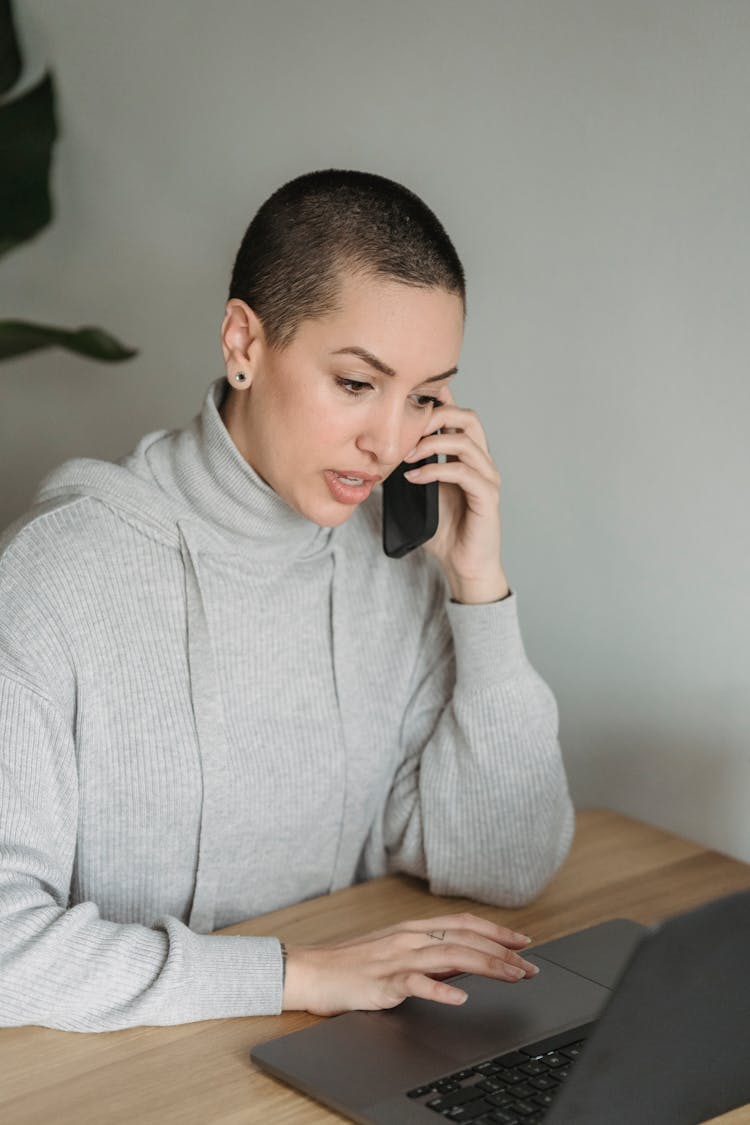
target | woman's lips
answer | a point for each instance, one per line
(358, 474)
(349, 493)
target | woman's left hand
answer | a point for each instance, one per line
(467, 541)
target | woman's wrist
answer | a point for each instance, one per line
(476, 592)
(296, 973)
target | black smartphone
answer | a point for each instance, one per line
(410, 510)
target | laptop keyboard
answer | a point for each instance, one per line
(512, 1089)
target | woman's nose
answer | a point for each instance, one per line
(384, 437)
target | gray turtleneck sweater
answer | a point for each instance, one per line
(210, 708)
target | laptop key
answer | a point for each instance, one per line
(543, 1082)
(458, 1097)
(511, 1059)
(544, 1099)
(468, 1112)
(501, 1100)
(420, 1092)
(491, 1086)
(553, 1060)
(523, 1090)
(511, 1077)
(523, 1109)
(573, 1051)
(446, 1085)
(533, 1067)
(562, 1039)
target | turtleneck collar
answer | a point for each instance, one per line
(202, 466)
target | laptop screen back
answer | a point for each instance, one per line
(673, 1045)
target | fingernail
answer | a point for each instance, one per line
(412, 474)
(463, 997)
(516, 972)
(522, 937)
(410, 454)
(532, 970)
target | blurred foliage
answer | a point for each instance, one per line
(28, 130)
(19, 336)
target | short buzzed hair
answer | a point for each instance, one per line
(321, 224)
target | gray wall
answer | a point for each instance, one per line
(590, 160)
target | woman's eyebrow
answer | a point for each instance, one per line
(383, 368)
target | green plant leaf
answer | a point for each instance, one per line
(27, 133)
(10, 56)
(28, 130)
(20, 336)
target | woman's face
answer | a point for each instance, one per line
(316, 409)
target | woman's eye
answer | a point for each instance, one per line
(352, 386)
(356, 388)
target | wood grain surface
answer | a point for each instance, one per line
(201, 1074)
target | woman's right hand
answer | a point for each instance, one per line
(381, 969)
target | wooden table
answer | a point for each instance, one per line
(200, 1073)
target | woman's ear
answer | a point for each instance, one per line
(241, 342)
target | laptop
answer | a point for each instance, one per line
(623, 1025)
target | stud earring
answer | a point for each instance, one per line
(241, 377)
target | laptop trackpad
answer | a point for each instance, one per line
(498, 1016)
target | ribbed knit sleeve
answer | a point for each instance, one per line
(480, 804)
(66, 967)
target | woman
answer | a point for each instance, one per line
(218, 696)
